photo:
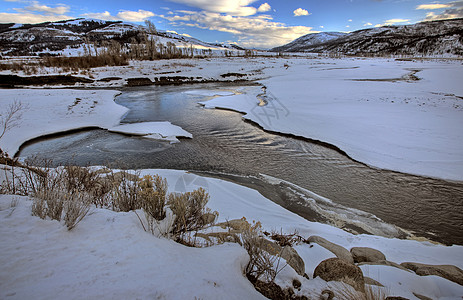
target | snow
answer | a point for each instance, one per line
(49, 111)
(109, 256)
(367, 110)
(154, 130)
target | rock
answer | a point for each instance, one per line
(384, 263)
(287, 253)
(371, 281)
(365, 254)
(421, 297)
(297, 284)
(336, 269)
(339, 251)
(448, 272)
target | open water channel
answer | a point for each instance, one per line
(363, 199)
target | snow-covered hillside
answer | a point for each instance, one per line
(443, 37)
(64, 36)
(308, 40)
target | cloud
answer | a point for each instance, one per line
(432, 6)
(258, 31)
(368, 24)
(36, 7)
(102, 16)
(123, 15)
(135, 16)
(35, 13)
(230, 7)
(264, 7)
(300, 12)
(392, 22)
(454, 10)
(30, 18)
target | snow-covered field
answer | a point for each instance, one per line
(109, 256)
(369, 108)
(373, 109)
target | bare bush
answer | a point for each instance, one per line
(76, 208)
(261, 263)
(124, 193)
(153, 196)
(188, 209)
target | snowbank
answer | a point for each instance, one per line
(109, 256)
(48, 111)
(373, 109)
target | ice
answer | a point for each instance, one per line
(153, 130)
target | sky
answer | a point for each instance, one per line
(249, 23)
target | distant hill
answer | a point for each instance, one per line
(444, 37)
(68, 37)
(309, 40)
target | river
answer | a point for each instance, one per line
(225, 146)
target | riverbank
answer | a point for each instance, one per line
(389, 114)
(41, 258)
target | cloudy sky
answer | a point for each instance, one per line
(250, 23)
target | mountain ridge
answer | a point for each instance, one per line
(442, 37)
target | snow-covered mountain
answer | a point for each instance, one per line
(309, 40)
(444, 37)
(56, 37)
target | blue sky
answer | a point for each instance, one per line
(251, 23)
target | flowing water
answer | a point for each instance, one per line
(225, 146)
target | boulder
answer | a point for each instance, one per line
(448, 272)
(339, 251)
(371, 281)
(385, 263)
(287, 253)
(365, 254)
(336, 269)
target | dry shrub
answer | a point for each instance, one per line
(188, 209)
(261, 263)
(152, 194)
(124, 194)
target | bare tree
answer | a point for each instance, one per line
(11, 117)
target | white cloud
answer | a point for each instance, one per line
(30, 18)
(35, 13)
(134, 16)
(350, 20)
(264, 7)
(322, 27)
(392, 22)
(257, 31)
(433, 6)
(124, 15)
(454, 10)
(300, 12)
(102, 16)
(231, 7)
(368, 24)
(36, 7)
